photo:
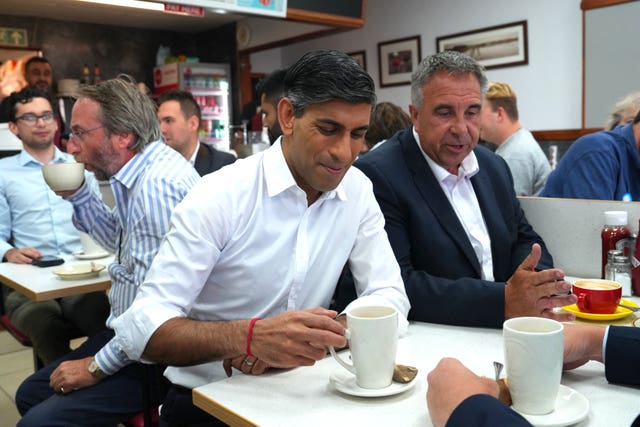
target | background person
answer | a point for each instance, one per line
(624, 111)
(386, 119)
(603, 165)
(500, 125)
(467, 253)
(115, 133)
(179, 115)
(272, 246)
(38, 223)
(271, 90)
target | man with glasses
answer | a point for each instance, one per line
(38, 75)
(115, 132)
(35, 222)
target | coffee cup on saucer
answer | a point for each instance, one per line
(597, 296)
(89, 246)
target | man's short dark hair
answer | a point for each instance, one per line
(187, 102)
(327, 75)
(34, 60)
(272, 86)
(25, 96)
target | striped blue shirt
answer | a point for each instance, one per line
(146, 189)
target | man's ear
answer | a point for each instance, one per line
(13, 128)
(122, 140)
(194, 123)
(286, 116)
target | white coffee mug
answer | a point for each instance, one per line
(533, 351)
(372, 333)
(89, 246)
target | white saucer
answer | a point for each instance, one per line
(93, 255)
(79, 271)
(345, 382)
(571, 408)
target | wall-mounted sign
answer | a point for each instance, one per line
(183, 9)
(276, 8)
(13, 37)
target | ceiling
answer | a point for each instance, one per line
(76, 11)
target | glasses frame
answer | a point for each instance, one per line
(47, 117)
(78, 134)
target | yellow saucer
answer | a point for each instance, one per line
(618, 314)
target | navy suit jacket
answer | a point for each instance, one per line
(209, 159)
(621, 366)
(441, 272)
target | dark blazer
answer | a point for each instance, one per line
(621, 366)
(209, 159)
(441, 272)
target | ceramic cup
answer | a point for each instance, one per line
(89, 246)
(372, 333)
(597, 296)
(63, 176)
(533, 351)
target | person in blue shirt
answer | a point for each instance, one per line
(116, 134)
(37, 222)
(603, 165)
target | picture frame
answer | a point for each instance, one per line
(397, 60)
(360, 57)
(498, 46)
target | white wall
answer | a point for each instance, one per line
(549, 88)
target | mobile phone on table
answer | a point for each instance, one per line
(47, 261)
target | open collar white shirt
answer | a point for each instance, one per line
(459, 190)
(244, 244)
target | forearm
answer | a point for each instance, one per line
(184, 342)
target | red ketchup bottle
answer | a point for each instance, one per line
(635, 267)
(615, 229)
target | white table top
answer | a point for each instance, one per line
(304, 396)
(40, 284)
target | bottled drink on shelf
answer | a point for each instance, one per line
(96, 74)
(614, 230)
(86, 75)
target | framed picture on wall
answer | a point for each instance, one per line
(494, 47)
(397, 59)
(360, 57)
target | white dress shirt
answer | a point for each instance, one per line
(244, 244)
(464, 202)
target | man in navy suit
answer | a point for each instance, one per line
(458, 397)
(467, 253)
(180, 116)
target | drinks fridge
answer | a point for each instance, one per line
(209, 84)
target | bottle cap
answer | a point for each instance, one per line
(615, 218)
(621, 259)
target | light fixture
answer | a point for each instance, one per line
(158, 7)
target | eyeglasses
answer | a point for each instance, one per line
(31, 119)
(80, 133)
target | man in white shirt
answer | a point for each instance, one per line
(255, 250)
(180, 116)
(500, 125)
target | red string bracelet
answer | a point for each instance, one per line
(250, 334)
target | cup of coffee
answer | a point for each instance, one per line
(533, 351)
(597, 296)
(89, 246)
(372, 333)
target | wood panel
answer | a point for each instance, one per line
(562, 134)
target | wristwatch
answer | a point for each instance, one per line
(95, 370)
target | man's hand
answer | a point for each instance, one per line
(582, 343)
(22, 255)
(246, 364)
(296, 338)
(449, 384)
(530, 293)
(72, 375)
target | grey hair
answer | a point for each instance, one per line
(123, 108)
(327, 75)
(453, 63)
(632, 100)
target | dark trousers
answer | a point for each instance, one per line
(114, 399)
(178, 410)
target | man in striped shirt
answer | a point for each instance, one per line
(116, 134)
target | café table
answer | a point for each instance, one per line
(304, 396)
(40, 284)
